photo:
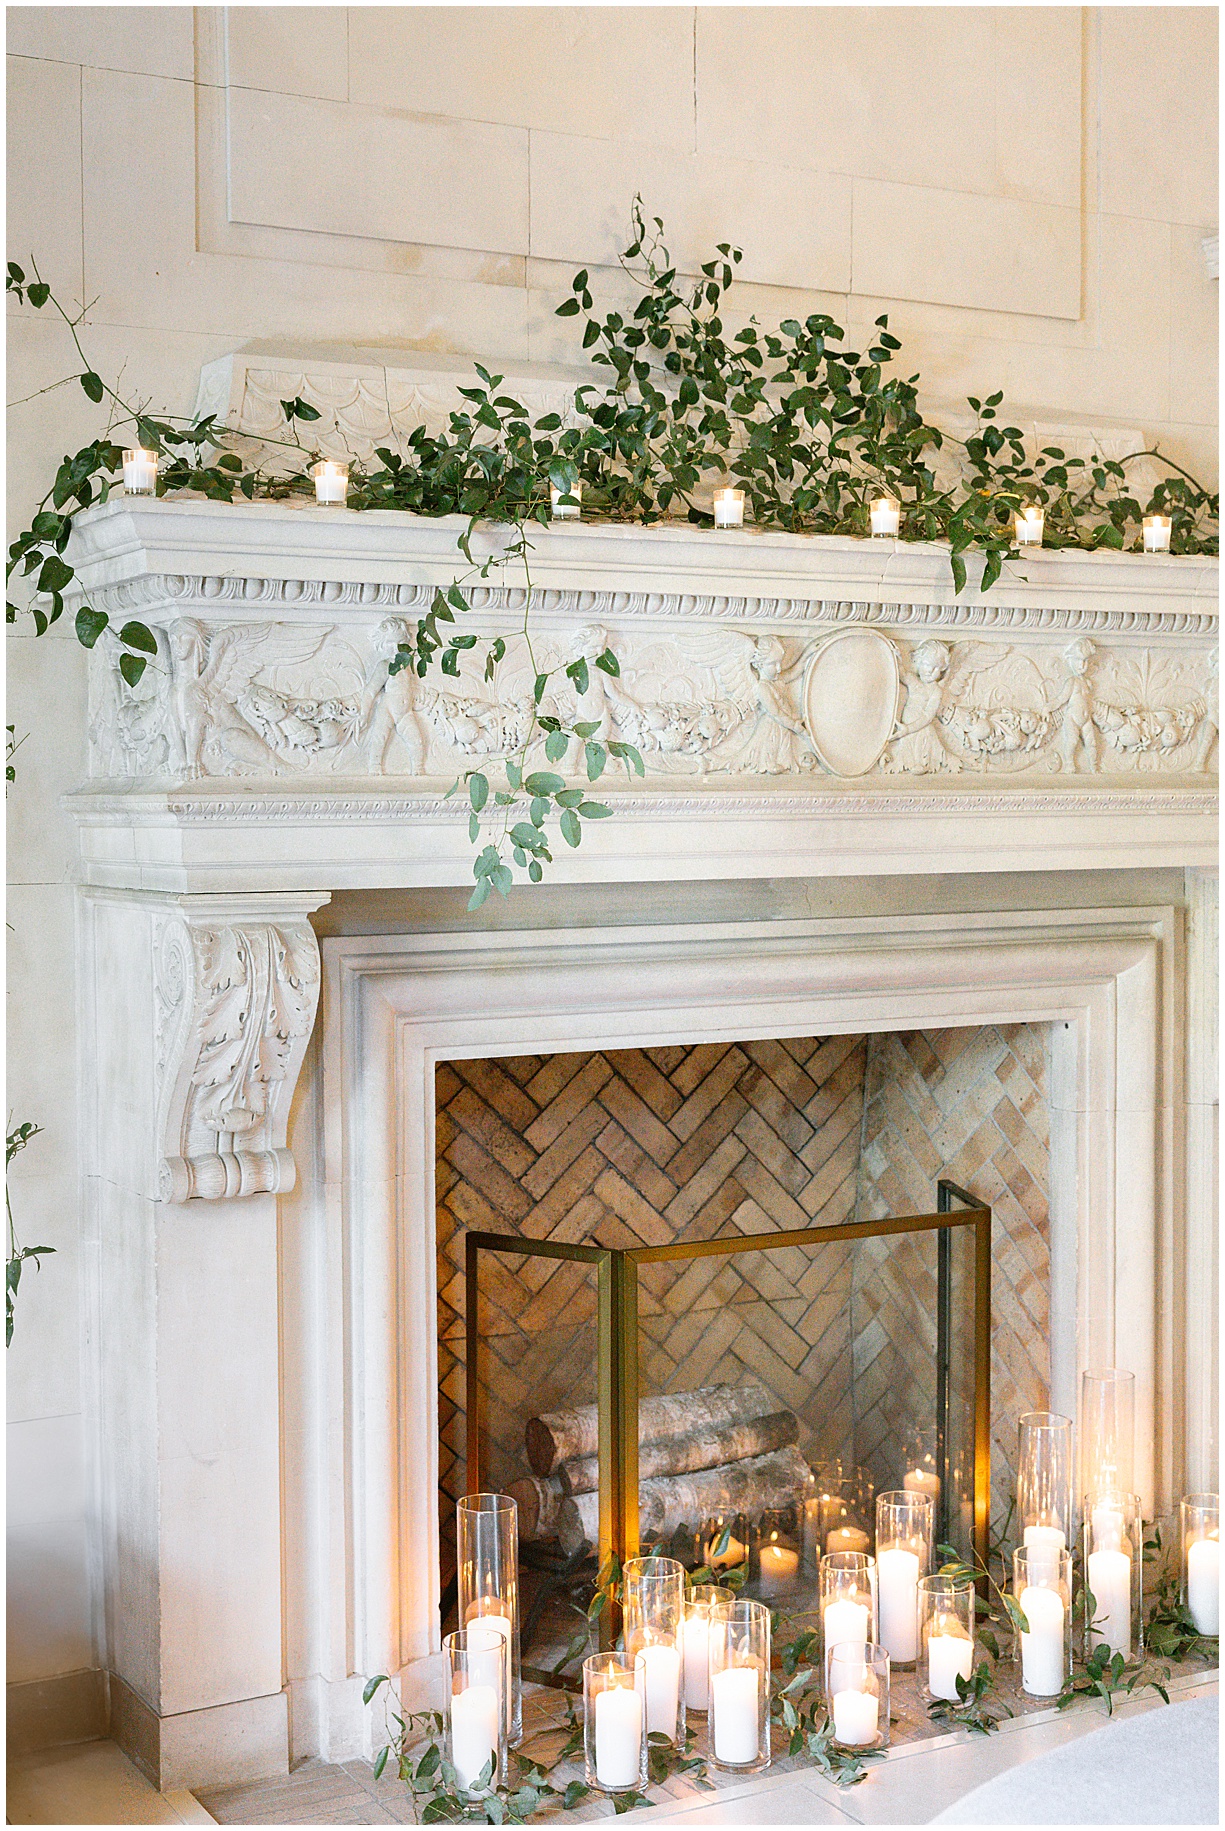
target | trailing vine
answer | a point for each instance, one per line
(810, 429)
(17, 1140)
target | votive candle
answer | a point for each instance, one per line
(729, 508)
(566, 511)
(1157, 531)
(1030, 523)
(139, 472)
(331, 482)
(885, 517)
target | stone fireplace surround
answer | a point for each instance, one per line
(273, 958)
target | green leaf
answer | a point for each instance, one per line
(92, 384)
(135, 635)
(569, 308)
(478, 791)
(372, 1685)
(132, 667)
(55, 574)
(571, 830)
(608, 663)
(543, 782)
(380, 1760)
(594, 810)
(597, 757)
(90, 625)
(959, 572)
(38, 294)
(555, 745)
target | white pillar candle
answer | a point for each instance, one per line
(697, 1662)
(1042, 1664)
(1110, 1581)
(729, 508)
(661, 1679)
(847, 1538)
(1029, 526)
(735, 1702)
(1157, 533)
(1044, 1543)
(947, 1656)
(921, 1481)
(331, 481)
(855, 1718)
(729, 1558)
(885, 516)
(566, 511)
(779, 1569)
(897, 1595)
(487, 1668)
(474, 1731)
(140, 472)
(1108, 1525)
(618, 1736)
(1204, 1584)
(845, 1620)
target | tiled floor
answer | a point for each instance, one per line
(910, 1787)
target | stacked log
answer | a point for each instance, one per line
(719, 1450)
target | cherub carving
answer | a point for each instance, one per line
(392, 699)
(777, 742)
(1077, 731)
(917, 746)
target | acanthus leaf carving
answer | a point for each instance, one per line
(236, 1005)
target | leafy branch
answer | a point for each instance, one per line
(970, 1710)
(17, 1140)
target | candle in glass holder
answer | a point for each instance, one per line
(566, 511)
(1044, 1596)
(1030, 523)
(476, 1722)
(847, 1538)
(695, 1642)
(740, 1684)
(613, 1736)
(897, 1580)
(331, 482)
(729, 508)
(1200, 1516)
(779, 1567)
(735, 1699)
(921, 1481)
(474, 1732)
(857, 1686)
(885, 516)
(139, 472)
(1157, 530)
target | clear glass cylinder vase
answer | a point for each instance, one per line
(946, 1633)
(1113, 1568)
(1107, 1431)
(1200, 1557)
(700, 1603)
(614, 1724)
(652, 1619)
(857, 1686)
(738, 1724)
(1044, 1480)
(1042, 1586)
(847, 1598)
(487, 1544)
(904, 1528)
(476, 1715)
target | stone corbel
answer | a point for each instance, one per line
(237, 988)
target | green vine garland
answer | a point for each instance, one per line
(811, 430)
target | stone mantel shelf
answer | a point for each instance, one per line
(132, 538)
(804, 704)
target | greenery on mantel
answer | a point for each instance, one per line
(811, 430)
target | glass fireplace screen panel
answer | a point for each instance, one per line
(781, 1390)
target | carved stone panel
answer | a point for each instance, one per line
(235, 1007)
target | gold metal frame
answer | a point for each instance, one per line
(617, 1338)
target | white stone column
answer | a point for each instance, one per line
(196, 1014)
(1202, 1258)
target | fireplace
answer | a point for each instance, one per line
(288, 1023)
(836, 1350)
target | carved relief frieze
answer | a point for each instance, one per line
(235, 1004)
(315, 699)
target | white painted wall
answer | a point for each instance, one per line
(1024, 190)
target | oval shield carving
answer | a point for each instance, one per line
(850, 700)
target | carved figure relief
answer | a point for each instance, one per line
(236, 1004)
(284, 699)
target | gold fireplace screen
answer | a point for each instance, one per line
(962, 1347)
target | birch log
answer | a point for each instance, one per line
(539, 1503)
(669, 1501)
(703, 1449)
(563, 1436)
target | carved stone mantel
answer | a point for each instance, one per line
(802, 703)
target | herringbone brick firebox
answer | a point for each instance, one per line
(634, 1147)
